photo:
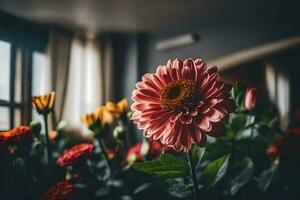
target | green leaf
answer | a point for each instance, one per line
(238, 93)
(197, 154)
(266, 178)
(178, 188)
(215, 170)
(165, 167)
(243, 177)
(238, 123)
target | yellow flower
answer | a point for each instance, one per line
(117, 109)
(90, 119)
(122, 106)
(106, 116)
(44, 103)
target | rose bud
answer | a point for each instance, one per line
(252, 95)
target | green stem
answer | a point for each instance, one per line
(193, 174)
(54, 119)
(105, 155)
(251, 136)
(47, 138)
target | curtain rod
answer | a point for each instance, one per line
(251, 54)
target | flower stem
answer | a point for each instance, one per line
(251, 136)
(47, 139)
(105, 155)
(193, 174)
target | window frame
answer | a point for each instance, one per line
(26, 77)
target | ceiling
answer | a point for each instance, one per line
(94, 16)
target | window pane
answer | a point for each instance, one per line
(4, 70)
(4, 119)
(17, 118)
(41, 81)
(18, 77)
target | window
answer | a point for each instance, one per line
(10, 87)
(5, 49)
(13, 80)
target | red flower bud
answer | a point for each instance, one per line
(251, 98)
(135, 153)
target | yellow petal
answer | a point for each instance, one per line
(89, 119)
(111, 107)
(44, 103)
(105, 116)
(50, 102)
(122, 106)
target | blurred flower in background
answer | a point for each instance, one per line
(135, 153)
(44, 103)
(61, 191)
(252, 96)
(74, 154)
(17, 135)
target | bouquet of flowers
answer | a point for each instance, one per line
(203, 139)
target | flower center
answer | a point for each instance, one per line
(177, 94)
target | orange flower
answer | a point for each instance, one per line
(106, 114)
(122, 106)
(74, 154)
(62, 190)
(117, 109)
(90, 119)
(44, 103)
(17, 135)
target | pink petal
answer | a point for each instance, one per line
(203, 123)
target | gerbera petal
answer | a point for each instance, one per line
(202, 141)
(196, 134)
(218, 129)
(214, 115)
(212, 70)
(203, 123)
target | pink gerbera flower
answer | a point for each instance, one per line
(181, 103)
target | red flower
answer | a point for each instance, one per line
(273, 151)
(251, 98)
(156, 148)
(181, 103)
(17, 135)
(74, 154)
(61, 191)
(135, 153)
